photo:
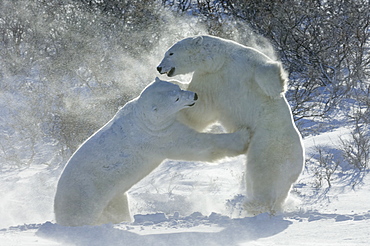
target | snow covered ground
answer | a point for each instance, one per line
(185, 203)
(180, 203)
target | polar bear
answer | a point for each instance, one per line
(239, 87)
(92, 188)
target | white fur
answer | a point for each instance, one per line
(241, 87)
(92, 188)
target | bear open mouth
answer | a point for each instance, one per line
(171, 72)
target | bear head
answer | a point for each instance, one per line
(198, 53)
(160, 101)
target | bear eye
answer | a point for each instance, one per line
(177, 99)
(170, 54)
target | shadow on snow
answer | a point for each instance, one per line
(234, 231)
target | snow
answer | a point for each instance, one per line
(179, 203)
(191, 203)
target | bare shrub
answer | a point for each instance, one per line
(356, 149)
(325, 167)
(324, 45)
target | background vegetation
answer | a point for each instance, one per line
(67, 66)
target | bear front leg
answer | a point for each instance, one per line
(195, 146)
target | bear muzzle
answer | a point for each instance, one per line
(169, 73)
(195, 98)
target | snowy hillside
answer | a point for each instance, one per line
(184, 203)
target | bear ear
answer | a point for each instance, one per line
(154, 108)
(197, 40)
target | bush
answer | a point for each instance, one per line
(324, 45)
(67, 66)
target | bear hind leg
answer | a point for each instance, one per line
(116, 211)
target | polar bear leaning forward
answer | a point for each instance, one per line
(92, 188)
(241, 87)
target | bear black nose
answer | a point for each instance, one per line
(159, 69)
(195, 96)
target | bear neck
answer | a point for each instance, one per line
(213, 58)
(156, 127)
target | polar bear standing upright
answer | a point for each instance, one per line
(241, 87)
(92, 188)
